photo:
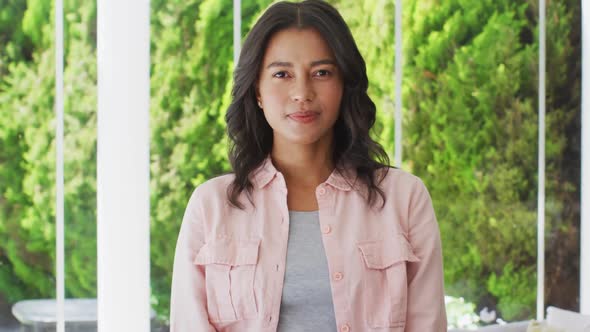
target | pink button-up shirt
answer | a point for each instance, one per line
(385, 265)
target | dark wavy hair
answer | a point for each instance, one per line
(250, 134)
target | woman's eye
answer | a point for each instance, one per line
(280, 74)
(323, 72)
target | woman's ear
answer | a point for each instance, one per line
(258, 98)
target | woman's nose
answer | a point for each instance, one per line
(302, 91)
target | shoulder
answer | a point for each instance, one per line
(403, 188)
(216, 184)
(407, 194)
(211, 192)
(397, 180)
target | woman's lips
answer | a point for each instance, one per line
(304, 117)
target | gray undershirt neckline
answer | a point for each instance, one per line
(306, 303)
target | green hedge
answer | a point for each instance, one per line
(470, 132)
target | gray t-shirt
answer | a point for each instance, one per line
(306, 304)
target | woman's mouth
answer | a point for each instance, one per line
(304, 117)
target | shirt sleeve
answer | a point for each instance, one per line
(426, 306)
(188, 301)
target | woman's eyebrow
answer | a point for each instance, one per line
(279, 64)
(312, 64)
(323, 62)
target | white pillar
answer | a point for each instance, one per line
(123, 165)
(237, 30)
(541, 170)
(59, 167)
(585, 183)
(398, 83)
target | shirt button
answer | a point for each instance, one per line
(338, 276)
(345, 328)
(322, 191)
(326, 229)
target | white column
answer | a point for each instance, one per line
(398, 83)
(237, 30)
(585, 183)
(59, 166)
(541, 170)
(123, 165)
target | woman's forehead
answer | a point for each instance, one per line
(297, 46)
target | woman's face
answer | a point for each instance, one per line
(299, 87)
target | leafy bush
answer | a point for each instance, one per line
(471, 125)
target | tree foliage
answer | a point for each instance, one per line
(471, 119)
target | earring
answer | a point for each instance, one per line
(259, 104)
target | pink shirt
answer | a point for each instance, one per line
(385, 264)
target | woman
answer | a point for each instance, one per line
(313, 231)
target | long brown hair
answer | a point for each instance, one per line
(250, 134)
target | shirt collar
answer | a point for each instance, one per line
(341, 178)
(264, 173)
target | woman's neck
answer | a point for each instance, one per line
(303, 166)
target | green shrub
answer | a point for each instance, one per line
(471, 124)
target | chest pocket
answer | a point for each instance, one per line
(230, 268)
(385, 281)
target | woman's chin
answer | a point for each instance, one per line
(304, 139)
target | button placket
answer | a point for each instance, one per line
(280, 267)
